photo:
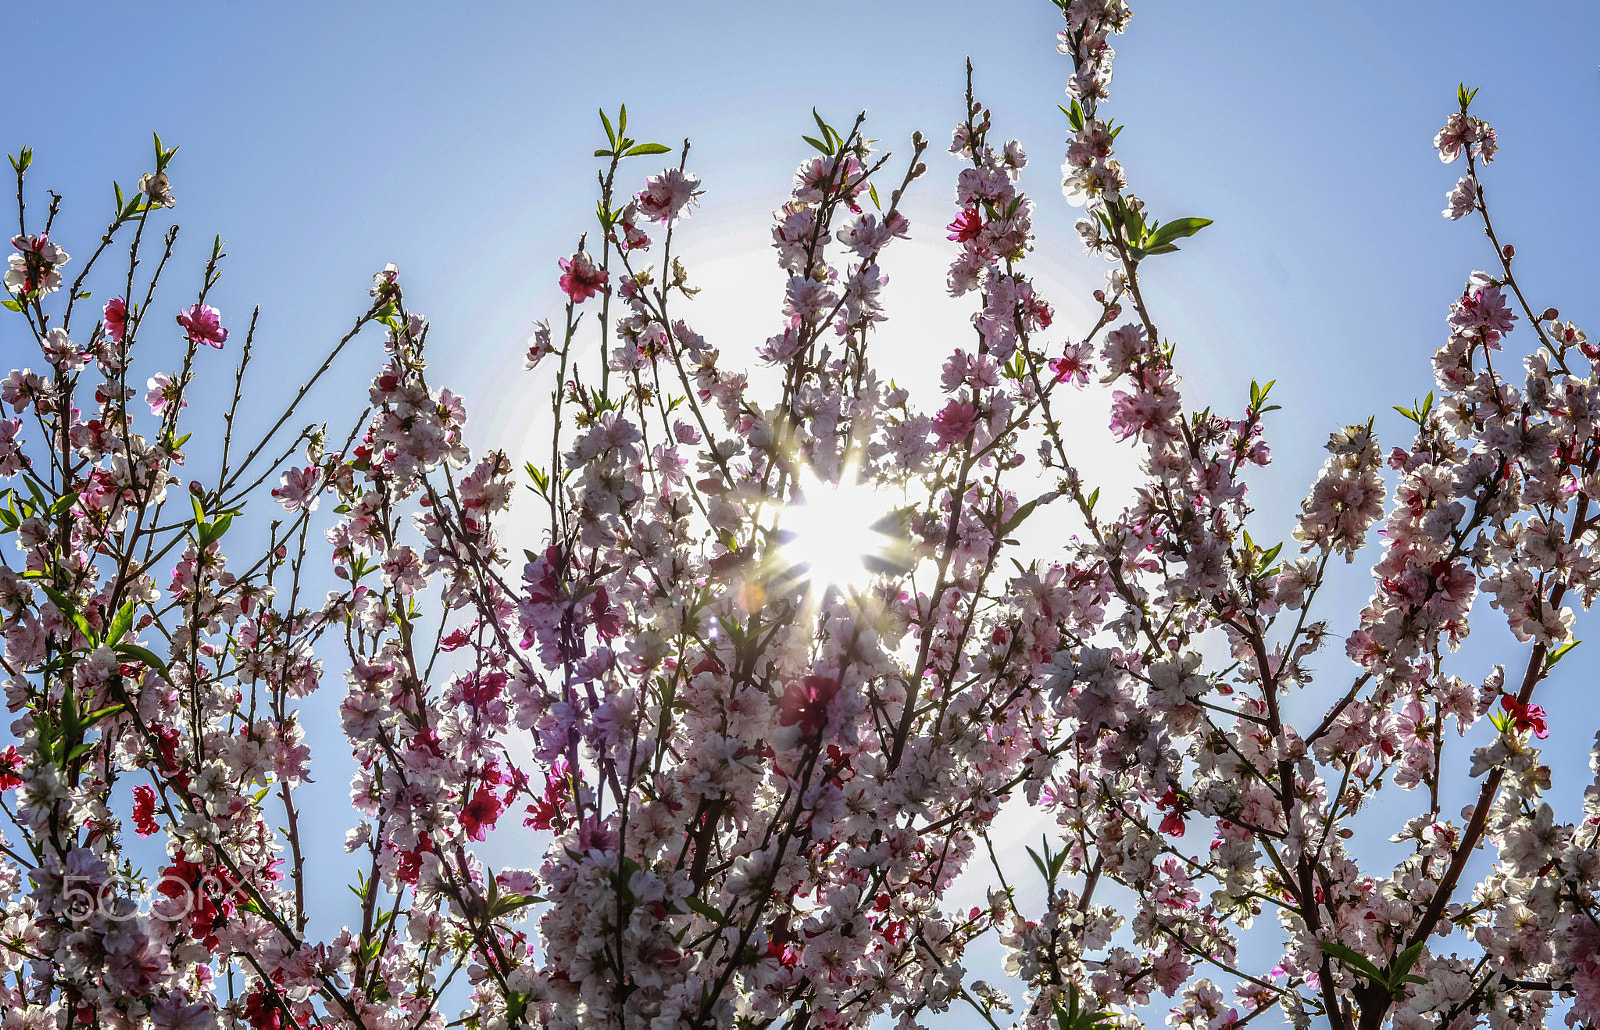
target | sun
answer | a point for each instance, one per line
(839, 534)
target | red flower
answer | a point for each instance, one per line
(607, 618)
(580, 280)
(966, 226)
(261, 1010)
(10, 762)
(805, 703)
(480, 814)
(144, 810)
(1525, 717)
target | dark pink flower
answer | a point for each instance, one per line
(805, 703)
(116, 316)
(966, 226)
(955, 423)
(203, 324)
(1525, 717)
(580, 279)
(481, 813)
(144, 810)
(1073, 364)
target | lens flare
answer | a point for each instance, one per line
(839, 534)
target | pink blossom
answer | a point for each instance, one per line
(668, 196)
(162, 390)
(203, 324)
(298, 489)
(1073, 364)
(955, 422)
(116, 318)
(580, 279)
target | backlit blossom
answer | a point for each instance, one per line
(668, 196)
(580, 279)
(203, 324)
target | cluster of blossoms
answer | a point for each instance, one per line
(754, 785)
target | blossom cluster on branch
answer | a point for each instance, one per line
(757, 771)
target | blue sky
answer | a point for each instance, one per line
(324, 140)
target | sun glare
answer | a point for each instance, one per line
(839, 534)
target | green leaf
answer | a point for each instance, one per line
(63, 504)
(1177, 229)
(622, 120)
(120, 623)
(211, 532)
(70, 610)
(102, 714)
(11, 304)
(611, 135)
(1044, 870)
(809, 139)
(602, 153)
(1405, 960)
(648, 148)
(144, 655)
(1559, 653)
(1358, 963)
(702, 908)
(1016, 520)
(827, 130)
(506, 904)
(1074, 116)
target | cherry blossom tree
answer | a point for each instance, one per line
(776, 659)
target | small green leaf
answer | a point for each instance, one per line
(827, 130)
(1405, 960)
(11, 305)
(702, 908)
(648, 148)
(1176, 229)
(611, 135)
(1044, 870)
(120, 623)
(102, 714)
(1357, 962)
(1016, 520)
(144, 655)
(1560, 653)
(809, 139)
